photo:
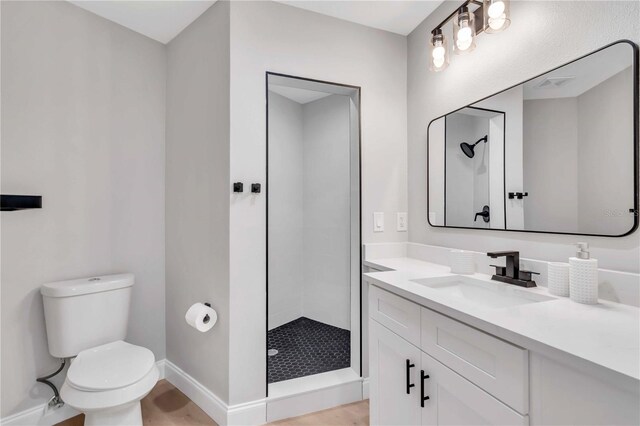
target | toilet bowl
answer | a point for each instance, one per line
(107, 382)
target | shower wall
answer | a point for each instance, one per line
(467, 188)
(309, 210)
(327, 286)
(285, 210)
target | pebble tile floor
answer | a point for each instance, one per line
(307, 347)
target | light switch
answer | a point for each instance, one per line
(378, 221)
(401, 221)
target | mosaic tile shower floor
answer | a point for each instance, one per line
(307, 347)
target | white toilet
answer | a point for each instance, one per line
(87, 319)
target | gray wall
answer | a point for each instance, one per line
(550, 164)
(286, 216)
(529, 47)
(83, 110)
(268, 36)
(605, 135)
(577, 160)
(197, 191)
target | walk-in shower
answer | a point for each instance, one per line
(313, 228)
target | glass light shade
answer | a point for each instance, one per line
(438, 51)
(496, 15)
(464, 31)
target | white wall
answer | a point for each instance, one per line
(286, 215)
(467, 178)
(197, 188)
(538, 39)
(83, 110)
(327, 202)
(510, 102)
(267, 36)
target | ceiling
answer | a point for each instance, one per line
(577, 77)
(163, 20)
(300, 96)
(159, 20)
(396, 16)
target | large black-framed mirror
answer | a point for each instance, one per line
(557, 153)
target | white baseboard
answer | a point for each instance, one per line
(365, 388)
(250, 413)
(36, 416)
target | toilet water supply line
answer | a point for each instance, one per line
(55, 401)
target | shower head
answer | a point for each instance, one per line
(468, 149)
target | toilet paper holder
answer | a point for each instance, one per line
(206, 318)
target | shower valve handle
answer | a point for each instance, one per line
(485, 214)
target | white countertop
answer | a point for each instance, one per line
(606, 334)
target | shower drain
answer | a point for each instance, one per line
(272, 352)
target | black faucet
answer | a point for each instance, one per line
(511, 274)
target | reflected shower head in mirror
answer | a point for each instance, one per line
(468, 149)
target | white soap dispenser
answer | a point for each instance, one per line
(583, 276)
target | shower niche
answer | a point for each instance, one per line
(313, 229)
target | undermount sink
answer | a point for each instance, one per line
(483, 294)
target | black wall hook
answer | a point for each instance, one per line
(518, 195)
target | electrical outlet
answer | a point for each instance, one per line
(401, 221)
(378, 222)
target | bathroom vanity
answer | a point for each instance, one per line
(453, 349)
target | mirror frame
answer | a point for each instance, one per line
(636, 138)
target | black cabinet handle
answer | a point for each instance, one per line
(422, 397)
(409, 384)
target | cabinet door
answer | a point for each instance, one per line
(453, 400)
(394, 366)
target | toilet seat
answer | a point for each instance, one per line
(112, 366)
(108, 376)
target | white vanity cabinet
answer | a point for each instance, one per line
(476, 378)
(417, 363)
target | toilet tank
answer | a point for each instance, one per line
(87, 312)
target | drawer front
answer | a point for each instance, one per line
(498, 367)
(397, 314)
(453, 400)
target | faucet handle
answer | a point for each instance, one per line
(500, 270)
(527, 275)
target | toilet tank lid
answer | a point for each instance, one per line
(89, 285)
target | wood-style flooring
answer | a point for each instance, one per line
(167, 406)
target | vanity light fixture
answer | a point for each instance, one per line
(496, 15)
(464, 31)
(490, 16)
(439, 51)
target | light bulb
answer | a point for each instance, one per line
(496, 9)
(438, 52)
(498, 22)
(465, 34)
(438, 62)
(463, 44)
